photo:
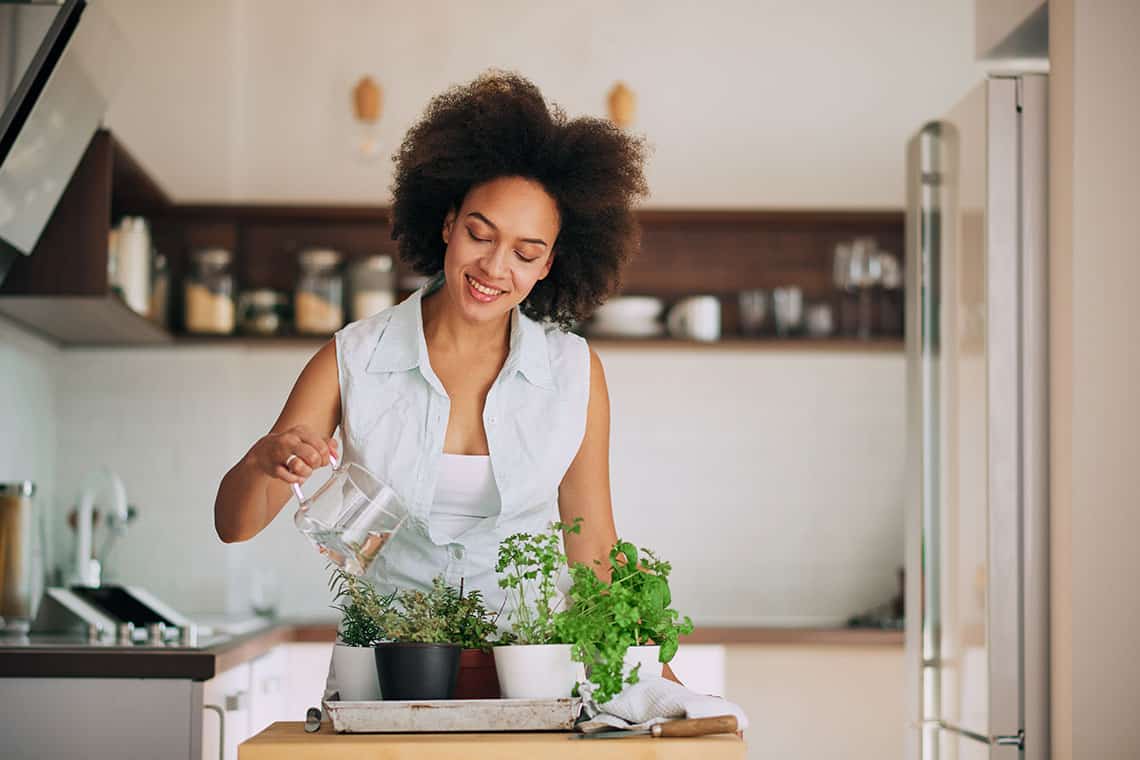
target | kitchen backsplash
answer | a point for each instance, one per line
(771, 479)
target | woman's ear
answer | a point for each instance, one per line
(546, 267)
(448, 224)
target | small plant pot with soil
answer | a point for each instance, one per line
(415, 671)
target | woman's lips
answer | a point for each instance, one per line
(481, 291)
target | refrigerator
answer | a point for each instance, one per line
(977, 629)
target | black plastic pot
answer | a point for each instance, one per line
(417, 671)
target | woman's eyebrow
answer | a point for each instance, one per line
(489, 223)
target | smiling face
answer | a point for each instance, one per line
(499, 244)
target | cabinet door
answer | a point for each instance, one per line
(229, 694)
(268, 684)
(308, 669)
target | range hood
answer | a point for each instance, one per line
(59, 64)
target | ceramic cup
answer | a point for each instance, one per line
(695, 318)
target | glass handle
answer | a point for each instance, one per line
(297, 486)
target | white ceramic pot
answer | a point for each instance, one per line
(646, 656)
(536, 671)
(354, 673)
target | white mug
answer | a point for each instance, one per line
(695, 318)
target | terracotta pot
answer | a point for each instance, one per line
(478, 678)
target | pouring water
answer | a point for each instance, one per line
(351, 518)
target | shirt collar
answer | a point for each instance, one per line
(402, 345)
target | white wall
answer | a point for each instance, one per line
(748, 103)
(771, 480)
(28, 377)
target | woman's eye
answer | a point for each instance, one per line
(524, 258)
(475, 237)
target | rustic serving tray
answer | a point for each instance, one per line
(393, 716)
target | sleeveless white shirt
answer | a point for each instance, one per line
(394, 414)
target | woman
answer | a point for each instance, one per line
(470, 398)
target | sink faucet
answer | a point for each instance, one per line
(88, 569)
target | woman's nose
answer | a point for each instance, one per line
(495, 263)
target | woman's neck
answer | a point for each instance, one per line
(445, 328)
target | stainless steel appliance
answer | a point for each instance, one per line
(977, 508)
(103, 611)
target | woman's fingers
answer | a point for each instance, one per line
(305, 459)
(319, 444)
(281, 473)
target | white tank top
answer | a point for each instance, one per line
(465, 496)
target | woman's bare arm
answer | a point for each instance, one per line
(585, 488)
(258, 486)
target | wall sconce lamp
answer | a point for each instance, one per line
(622, 104)
(367, 102)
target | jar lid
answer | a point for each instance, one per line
(213, 256)
(377, 262)
(320, 258)
(263, 297)
(18, 488)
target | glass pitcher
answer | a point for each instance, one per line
(351, 518)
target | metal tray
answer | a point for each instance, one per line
(391, 716)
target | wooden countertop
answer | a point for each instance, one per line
(318, 632)
(289, 741)
(70, 659)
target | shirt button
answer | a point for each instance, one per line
(490, 420)
(456, 552)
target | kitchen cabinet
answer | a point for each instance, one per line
(226, 710)
(268, 687)
(62, 290)
(276, 686)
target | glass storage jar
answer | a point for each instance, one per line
(373, 284)
(319, 302)
(263, 312)
(209, 293)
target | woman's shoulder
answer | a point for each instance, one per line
(363, 334)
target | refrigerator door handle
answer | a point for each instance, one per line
(1018, 740)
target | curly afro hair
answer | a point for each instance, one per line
(501, 126)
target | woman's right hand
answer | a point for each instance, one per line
(293, 454)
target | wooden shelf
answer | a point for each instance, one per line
(737, 343)
(62, 289)
(83, 320)
(730, 343)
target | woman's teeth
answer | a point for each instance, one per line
(482, 288)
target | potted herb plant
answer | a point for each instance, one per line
(621, 626)
(471, 625)
(417, 658)
(361, 608)
(538, 664)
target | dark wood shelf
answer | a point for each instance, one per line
(741, 343)
(730, 343)
(62, 289)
